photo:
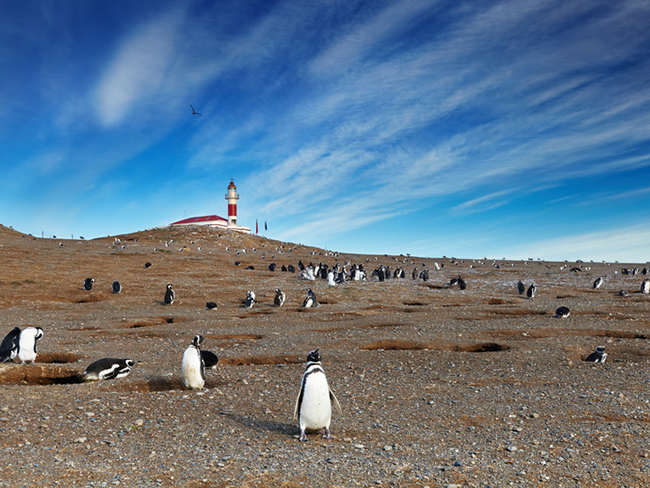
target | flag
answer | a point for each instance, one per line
(265, 226)
(257, 231)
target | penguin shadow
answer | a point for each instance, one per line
(282, 428)
(170, 383)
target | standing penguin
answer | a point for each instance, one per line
(314, 403)
(331, 278)
(521, 288)
(531, 291)
(310, 300)
(193, 365)
(108, 369)
(170, 296)
(9, 346)
(461, 283)
(250, 299)
(88, 283)
(645, 286)
(597, 284)
(280, 296)
(116, 287)
(27, 349)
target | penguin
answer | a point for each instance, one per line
(597, 284)
(147, 264)
(271, 267)
(116, 287)
(9, 346)
(521, 288)
(108, 369)
(645, 286)
(250, 299)
(193, 365)
(453, 281)
(88, 283)
(531, 291)
(330, 278)
(27, 349)
(562, 312)
(280, 296)
(598, 356)
(211, 306)
(314, 403)
(170, 295)
(210, 359)
(623, 293)
(461, 283)
(310, 300)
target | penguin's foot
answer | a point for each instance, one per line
(327, 435)
(303, 436)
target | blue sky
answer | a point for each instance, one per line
(479, 128)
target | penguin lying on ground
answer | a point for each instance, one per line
(562, 312)
(108, 369)
(210, 359)
(88, 283)
(314, 403)
(598, 356)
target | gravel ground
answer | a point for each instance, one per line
(439, 387)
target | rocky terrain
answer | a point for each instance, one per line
(439, 386)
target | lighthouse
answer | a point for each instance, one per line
(232, 198)
(220, 222)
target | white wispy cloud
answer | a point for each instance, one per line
(623, 244)
(139, 69)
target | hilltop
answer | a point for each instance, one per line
(439, 386)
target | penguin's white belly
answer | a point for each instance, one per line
(316, 408)
(192, 377)
(26, 352)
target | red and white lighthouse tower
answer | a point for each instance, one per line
(232, 198)
(220, 222)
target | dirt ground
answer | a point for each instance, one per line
(440, 387)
